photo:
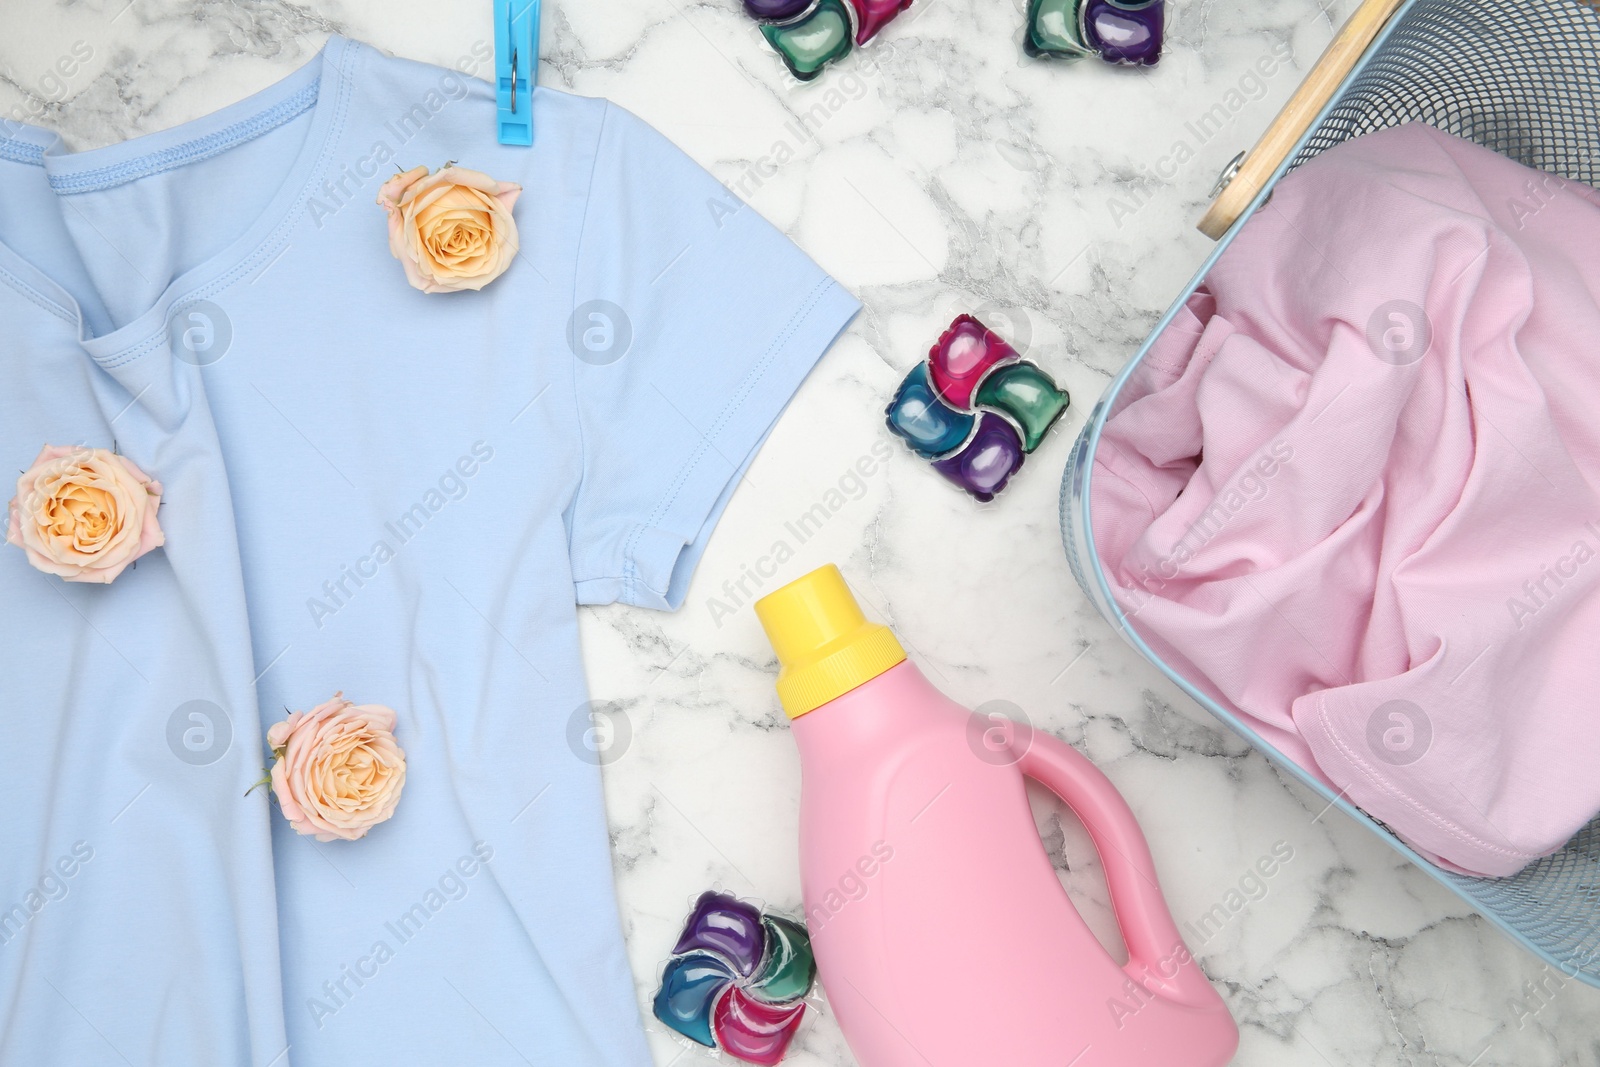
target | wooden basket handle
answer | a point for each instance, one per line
(1253, 169)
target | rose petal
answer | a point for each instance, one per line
(393, 191)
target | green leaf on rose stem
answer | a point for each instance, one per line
(266, 779)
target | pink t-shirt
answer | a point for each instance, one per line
(1357, 497)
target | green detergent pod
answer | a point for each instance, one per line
(813, 40)
(1055, 30)
(1028, 396)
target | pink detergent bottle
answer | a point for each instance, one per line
(943, 937)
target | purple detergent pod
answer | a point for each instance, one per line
(975, 408)
(737, 980)
(724, 925)
(1128, 33)
(988, 461)
(775, 10)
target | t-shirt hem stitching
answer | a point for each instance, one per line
(1440, 821)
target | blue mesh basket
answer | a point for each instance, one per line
(1521, 77)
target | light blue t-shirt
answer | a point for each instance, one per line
(370, 490)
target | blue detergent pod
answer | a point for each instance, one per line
(931, 427)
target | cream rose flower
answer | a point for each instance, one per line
(84, 513)
(451, 230)
(339, 770)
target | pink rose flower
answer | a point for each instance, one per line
(84, 514)
(451, 230)
(339, 770)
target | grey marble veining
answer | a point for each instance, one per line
(936, 171)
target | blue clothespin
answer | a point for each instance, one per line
(516, 67)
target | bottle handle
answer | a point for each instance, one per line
(1158, 960)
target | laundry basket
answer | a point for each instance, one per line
(1521, 77)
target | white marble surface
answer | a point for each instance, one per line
(946, 173)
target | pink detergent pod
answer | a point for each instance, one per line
(967, 350)
(874, 15)
(943, 936)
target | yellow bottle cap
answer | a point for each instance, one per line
(825, 646)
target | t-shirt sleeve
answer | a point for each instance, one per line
(693, 322)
